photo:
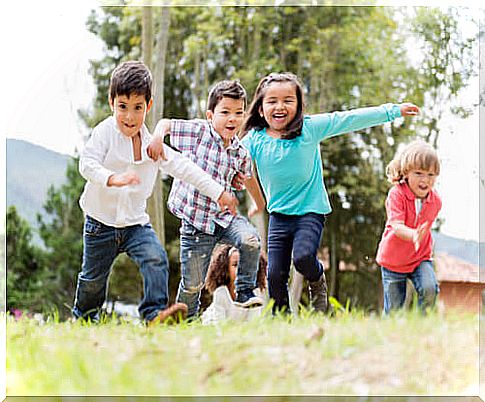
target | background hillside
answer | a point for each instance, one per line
(31, 170)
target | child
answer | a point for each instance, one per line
(214, 146)
(220, 283)
(285, 145)
(120, 177)
(406, 245)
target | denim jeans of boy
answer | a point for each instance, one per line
(102, 244)
(297, 235)
(195, 253)
(394, 286)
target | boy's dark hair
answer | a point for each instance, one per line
(258, 122)
(131, 77)
(225, 89)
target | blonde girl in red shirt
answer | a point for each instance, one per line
(412, 205)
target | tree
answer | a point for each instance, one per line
(26, 279)
(61, 232)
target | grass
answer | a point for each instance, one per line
(349, 354)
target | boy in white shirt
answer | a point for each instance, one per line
(120, 178)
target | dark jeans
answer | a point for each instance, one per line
(102, 244)
(299, 235)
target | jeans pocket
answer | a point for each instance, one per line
(92, 227)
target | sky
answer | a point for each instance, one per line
(46, 80)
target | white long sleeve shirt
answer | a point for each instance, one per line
(107, 152)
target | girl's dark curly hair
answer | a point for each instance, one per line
(218, 272)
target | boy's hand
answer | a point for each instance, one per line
(238, 181)
(227, 202)
(419, 233)
(409, 109)
(123, 179)
(155, 149)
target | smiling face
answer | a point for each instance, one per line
(227, 117)
(279, 107)
(130, 112)
(421, 182)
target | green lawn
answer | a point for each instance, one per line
(350, 354)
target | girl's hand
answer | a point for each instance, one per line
(409, 109)
(123, 179)
(238, 181)
(254, 210)
(419, 233)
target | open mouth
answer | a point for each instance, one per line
(279, 116)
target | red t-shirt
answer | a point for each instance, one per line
(397, 254)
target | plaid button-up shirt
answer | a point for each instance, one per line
(198, 140)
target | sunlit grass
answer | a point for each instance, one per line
(350, 353)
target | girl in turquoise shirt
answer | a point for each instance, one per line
(284, 144)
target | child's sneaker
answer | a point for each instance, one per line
(318, 294)
(177, 311)
(248, 299)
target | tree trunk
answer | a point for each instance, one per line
(155, 205)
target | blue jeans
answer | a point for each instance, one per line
(299, 235)
(195, 253)
(102, 244)
(394, 285)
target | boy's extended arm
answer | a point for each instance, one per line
(182, 168)
(156, 150)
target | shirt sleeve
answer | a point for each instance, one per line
(185, 133)
(182, 168)
(395, 206)
(247, 143)
(321, 126)
(92, 158)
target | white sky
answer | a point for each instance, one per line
(45, 80)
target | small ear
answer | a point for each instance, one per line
(209, 115)
(260, 111)
(150, 104)
(111, 104)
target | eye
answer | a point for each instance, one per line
(122, 106)
(139, 107)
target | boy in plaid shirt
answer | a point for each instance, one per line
(213, 145)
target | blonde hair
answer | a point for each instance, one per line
(417, 155)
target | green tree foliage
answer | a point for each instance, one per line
(61, 232)
(26, 278)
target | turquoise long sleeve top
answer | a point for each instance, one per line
(290, 171)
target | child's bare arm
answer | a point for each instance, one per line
(155, 149)
(256, 194)
(409, 234)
